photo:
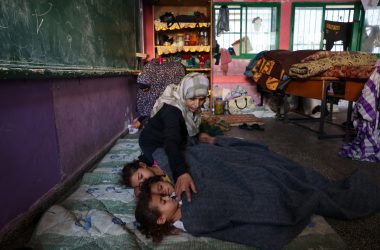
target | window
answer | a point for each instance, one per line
(252, 28)
(308, 24)
(370, 41)
(307, 28)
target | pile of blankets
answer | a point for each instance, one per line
(345, 64)
(272, 70)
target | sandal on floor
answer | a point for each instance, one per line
(257, 127)
(245, 126)
(251, 127)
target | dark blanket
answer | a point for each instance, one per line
(250, 195)
(271, 70)
(287, 58)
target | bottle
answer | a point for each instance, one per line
(219, 106)
(216, 98)
(180, 40)
(201, 38)
(205, 38)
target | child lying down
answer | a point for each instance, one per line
(250, 195)
(136, 172)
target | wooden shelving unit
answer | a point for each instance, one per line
(179, 49)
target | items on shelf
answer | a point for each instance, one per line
(174, 49)
(184, 38)
(160, 26)
(189, 60)
(182, 33)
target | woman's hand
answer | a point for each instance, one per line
(206, 138)
(185, 184)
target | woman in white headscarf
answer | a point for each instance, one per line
(176, 115)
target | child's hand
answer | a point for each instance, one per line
(137, 191)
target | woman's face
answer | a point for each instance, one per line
(195, 103)
(163, 188)
(140, 176)
(166, 206)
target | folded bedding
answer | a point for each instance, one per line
(350, 72)
(100, 215)
(321, 64)
(273, 70)
(272, 67)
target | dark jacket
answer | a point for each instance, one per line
(167, 129)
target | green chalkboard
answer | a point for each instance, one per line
(68, 35)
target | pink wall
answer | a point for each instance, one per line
(149, 33)
(286, 9)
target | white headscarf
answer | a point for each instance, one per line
(192, 85)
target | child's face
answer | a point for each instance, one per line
(162, 188)
(166, 206)
(140, 176)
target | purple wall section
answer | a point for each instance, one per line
(88, 113)
(28, 145)
(49, 129)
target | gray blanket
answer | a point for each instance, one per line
(251, 195)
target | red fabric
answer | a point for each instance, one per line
(225, 59)
(353, 72)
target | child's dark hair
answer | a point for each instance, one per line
(147, 216)
(147, 184)
(128, 170)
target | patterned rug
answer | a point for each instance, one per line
(232, 120)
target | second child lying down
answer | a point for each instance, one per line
(136, 172)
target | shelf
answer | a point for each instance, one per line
(198, 69)
(160, 26)
(174, 49)
(178, 34)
